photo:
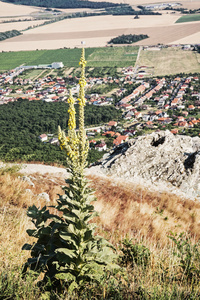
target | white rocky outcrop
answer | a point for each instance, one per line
(160, 157)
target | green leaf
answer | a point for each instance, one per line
(31, 232)
(27, 247)
(72, 287)
(66, 276)
(68, 252)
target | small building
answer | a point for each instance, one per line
(57, 65)
(101, 147)
(43, 137)
(112, 123)
(54, 141)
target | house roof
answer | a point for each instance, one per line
(112, 123)
(119, 139)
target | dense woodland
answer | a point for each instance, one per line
(9, 34)
(21, 123)
(63, 3)
(111, 8)
(128, 39)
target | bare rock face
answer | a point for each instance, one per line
(159, 157)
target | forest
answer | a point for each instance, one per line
(63, 4)
(9, 34)
(128, 39)
(22, 122)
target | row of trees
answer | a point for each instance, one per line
(128, 39)
(9, 34)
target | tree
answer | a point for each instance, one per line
(67, 250)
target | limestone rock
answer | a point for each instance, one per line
(158, 157)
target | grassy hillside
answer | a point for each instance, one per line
(189, 18)
(96, 57)
(153, 265)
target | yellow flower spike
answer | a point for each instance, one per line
(82, 59)
(76, 145)
(72, 112)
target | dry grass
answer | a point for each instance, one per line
(124, 209)
(15, 196)
(170, 61)
(130, 209)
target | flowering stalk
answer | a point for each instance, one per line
(67, 250)
(76, 145)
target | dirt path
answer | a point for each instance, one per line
(39, 168)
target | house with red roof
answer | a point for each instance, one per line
(101, 147)
(120, 139)
(112, 123)
(43, 137)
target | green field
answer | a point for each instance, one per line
(96, 57)
(189, 18)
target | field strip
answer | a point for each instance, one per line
(164, 34)
(105, 23)
(15, 10)
(190, 39)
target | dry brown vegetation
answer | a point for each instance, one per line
(130, 209)
(15, 196)
(126, 210)
(170, 61)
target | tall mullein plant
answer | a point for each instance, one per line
(68, 251)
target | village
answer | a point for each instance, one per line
(146, 103)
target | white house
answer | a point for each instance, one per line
(43, 137)
(57, 65)
(101, 147)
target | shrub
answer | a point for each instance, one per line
(188, 257)
(134, 254)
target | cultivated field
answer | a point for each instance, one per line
(96, 31)
(11, 10)
(170, 61)
(96, 57)
(18, 25)
(189, 18)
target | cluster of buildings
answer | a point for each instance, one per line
(152, 103)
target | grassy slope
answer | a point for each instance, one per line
(170, 61)
(96, 57)
(125, 210)
(189, 18)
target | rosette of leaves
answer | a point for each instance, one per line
(67, 250)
